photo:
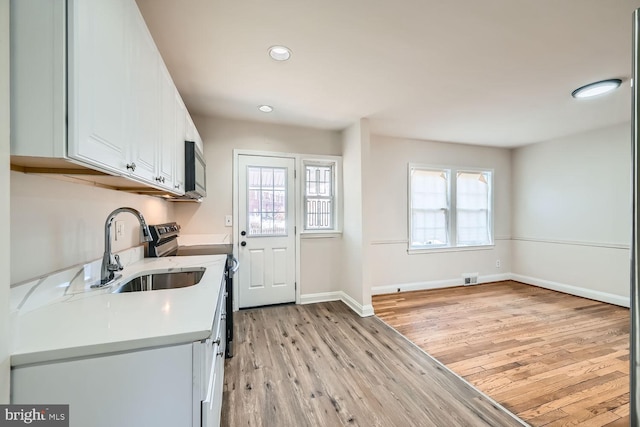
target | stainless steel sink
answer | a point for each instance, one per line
(156, 281)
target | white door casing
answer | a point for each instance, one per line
(266, 230)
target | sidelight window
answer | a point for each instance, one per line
(319, 196)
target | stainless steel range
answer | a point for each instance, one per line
(164, 242)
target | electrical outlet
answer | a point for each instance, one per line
(228, 221)
(498, 263)
(119, 230)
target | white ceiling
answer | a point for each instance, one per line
(490, 72)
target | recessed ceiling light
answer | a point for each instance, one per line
(597, 88)
(265, 108)
(280, 53)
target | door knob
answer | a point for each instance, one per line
(243, 243)
(243, 233)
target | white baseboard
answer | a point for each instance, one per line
(320, 297)
(359, 309)
(574, 290)
(435, 284)
(367, 310)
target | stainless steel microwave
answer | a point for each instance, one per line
(195, 168)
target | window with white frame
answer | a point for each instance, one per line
(449, 207)
(319, 196)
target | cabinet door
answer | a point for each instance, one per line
(181, 134)
(166, 158)
(212, 405)
(148, 387)
(144, 99)
(98, 66)
(193, 134)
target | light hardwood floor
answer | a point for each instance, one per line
(322, 365)
(551, 358)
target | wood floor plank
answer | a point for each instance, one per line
(322, 365)
(551, 358)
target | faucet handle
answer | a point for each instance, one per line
(118, 263)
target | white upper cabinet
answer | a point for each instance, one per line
(95, 65)
(168, 140)
(38, 79)
(143, 98)
(98, 83)
(192, 133)
(180, 138)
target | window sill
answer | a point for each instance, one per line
(450, 249)
(320, 234)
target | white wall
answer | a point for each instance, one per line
(57, 224)
(4, 201)
(356, 269)
(319, 258)
(391, 266)
(572, 213)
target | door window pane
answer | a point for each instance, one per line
(267, 201)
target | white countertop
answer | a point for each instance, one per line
(92, 322)
(203, 239)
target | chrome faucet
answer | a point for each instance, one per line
(111, 263)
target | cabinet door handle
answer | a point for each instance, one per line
(176, 186)
(131, 166)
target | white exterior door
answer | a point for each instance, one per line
(266, 230)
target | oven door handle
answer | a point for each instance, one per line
(236, 265)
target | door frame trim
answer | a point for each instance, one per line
(236, 212)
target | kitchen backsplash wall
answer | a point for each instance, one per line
(57, 224)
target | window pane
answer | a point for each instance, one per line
(473, 208)
(429, 207)
(267, 201)
(279, 179)
(319, 204)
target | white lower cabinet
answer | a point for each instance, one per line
(142, 388)
(212, 402)
(173, 386)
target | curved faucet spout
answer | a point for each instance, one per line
(110, 265)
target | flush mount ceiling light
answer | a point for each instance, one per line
(280, 53)
(265, 108)
(597, 88)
